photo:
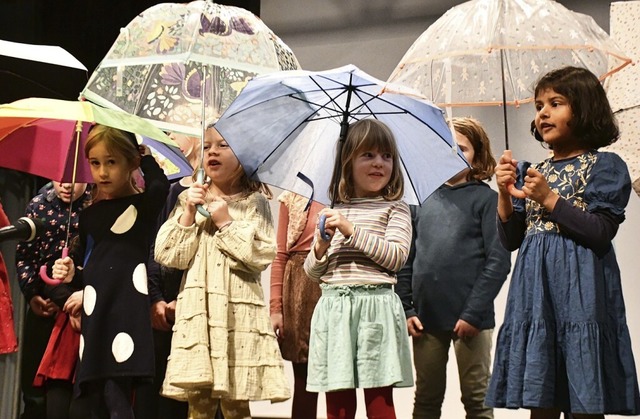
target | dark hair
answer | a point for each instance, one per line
(592, 122)
(483, 161)
(365, 134)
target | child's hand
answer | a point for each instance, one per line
(505, 172)
(75, 322)
(196, 194)
(414, 325)
(537, 189)
(42, 307)
(219, 210)
(465, 330)
(73, 304)
(335, 220)
(63, 269)
(158, 316)
(144, 150)
(277, 323)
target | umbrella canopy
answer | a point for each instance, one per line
(491, 52)
(283, 127)
(172, 54)
(170, 158)
(624, 89)
(28, 70)
(39, 136)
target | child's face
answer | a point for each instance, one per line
(63, 190)
(553, 113)
(371, 172)
(111, 173)
(465, 146)
(220, 164)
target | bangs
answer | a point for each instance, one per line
(376, 137)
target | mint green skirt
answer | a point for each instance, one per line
(359, 339)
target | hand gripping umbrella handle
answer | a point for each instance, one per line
(43, 271)
(321, 223)
(200, 180)
(515, 192)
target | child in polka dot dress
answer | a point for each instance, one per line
(116, 344)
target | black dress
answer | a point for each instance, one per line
(115, 235)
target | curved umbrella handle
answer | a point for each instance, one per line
(511, 188)
(43, 271)
(321, 222)
(200, 180)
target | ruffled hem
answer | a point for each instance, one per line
(247, 383)
(582, 368)
(223, 342)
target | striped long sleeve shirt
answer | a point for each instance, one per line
(377, 249)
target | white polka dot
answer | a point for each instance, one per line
(125, 221)
(81, 347)
(140, 279)
(122, 347)
(89, 299)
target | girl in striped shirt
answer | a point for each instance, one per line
(359, 336)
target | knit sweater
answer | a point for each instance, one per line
(376, 250)
(457, 265)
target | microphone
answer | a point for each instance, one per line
(25, 229)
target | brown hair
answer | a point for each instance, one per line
(117, 142)
(365, 134)
(484, 163)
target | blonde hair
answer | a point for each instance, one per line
(484, 163)
(240, 177)
(190, 147)
(365, 134)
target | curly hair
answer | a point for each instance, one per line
(592, 121)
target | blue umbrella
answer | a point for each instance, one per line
(170, 158)
(283, 127)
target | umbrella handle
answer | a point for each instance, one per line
(321, 222)
(200, 180)
(511, 188)
(43, 271)
(515, 192)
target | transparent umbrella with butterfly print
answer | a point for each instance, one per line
(173, 55)
(179, 65)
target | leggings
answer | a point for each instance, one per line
(379, 402)
(110, 398)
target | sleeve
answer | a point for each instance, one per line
(249, 243)
(405, 276)
(391, 251)
(154, 271)
(496, 268)
(156, 186)
(153, 277)
(511, 232)
(279, 263)
(60, 293)
(27, 262)
(315, 268)
(176, 245)
(606, 195)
